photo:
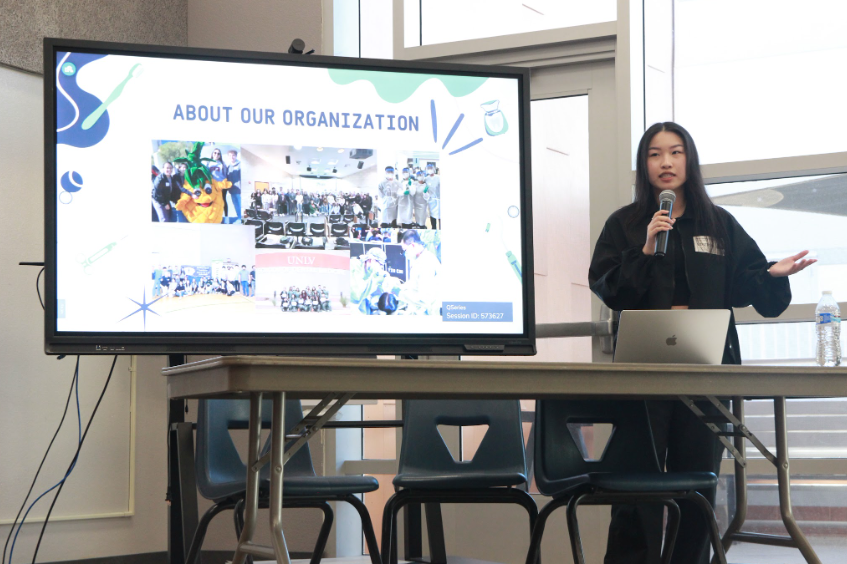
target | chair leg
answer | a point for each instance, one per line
(573, 529)
(395, 545)
(389, 520)
(238, 517)
(367, 527)
(709, 514)
(397, 502)
(193, 556)
(323, 535)
(672, 530)
(435, 533)
(525, 500)
(534, 553)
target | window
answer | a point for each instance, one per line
(363, 28)
(761, 72)
(429, 22)
(788, 215)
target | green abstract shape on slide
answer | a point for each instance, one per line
(395, 87)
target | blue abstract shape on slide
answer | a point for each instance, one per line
(71, 181)
(73, 104)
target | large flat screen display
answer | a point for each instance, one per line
(234, 202)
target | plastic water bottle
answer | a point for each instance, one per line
(828, 326)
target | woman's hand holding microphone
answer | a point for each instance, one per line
(661, 222)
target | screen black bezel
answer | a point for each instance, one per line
(282, 343)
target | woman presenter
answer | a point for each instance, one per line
(710, 263)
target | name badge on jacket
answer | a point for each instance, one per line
(705, 244)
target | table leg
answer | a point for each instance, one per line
(251, 501)
(784, 479)
(740, 480)
(277, 452)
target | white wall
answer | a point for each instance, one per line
(256, 169)
(28, 377)
(254, 25)
(365, 181)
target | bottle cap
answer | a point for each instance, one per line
(827, 292)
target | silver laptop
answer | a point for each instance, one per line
(684, 336)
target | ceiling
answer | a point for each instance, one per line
(303, 157)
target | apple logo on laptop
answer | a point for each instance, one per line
(671, 341)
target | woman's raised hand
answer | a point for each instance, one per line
(791, 265)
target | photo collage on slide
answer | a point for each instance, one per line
(241, 230)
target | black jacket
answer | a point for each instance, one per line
(625, 278)
(163, 189)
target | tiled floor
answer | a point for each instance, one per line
(829, 550)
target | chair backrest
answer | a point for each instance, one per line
(335, 218)
(317, 229)
(339, 229)
(258, 225)
(219, 470)
(349, 218)
(264, 215)
(423, 449)
(557, 455)
(295, 228)
(275, 228)
(251, 213)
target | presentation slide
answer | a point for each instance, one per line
(201, 197)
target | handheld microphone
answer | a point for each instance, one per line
(666, 200)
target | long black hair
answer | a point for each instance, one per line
(706, 219)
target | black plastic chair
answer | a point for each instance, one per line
(428, 474)
(274, 228)
(349, 218)
(295, 229)
(264, 215)
(338, 232)
(335, 218)
(221, 475)
(317, 232)
(258, 225)
(250, 213)
(626, 472)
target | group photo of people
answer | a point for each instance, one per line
(288, 183)
(295, 202)
(399, 278)
(195, 182)
(302, 281)
(308, 299)
(183, 281)
(409, 195)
